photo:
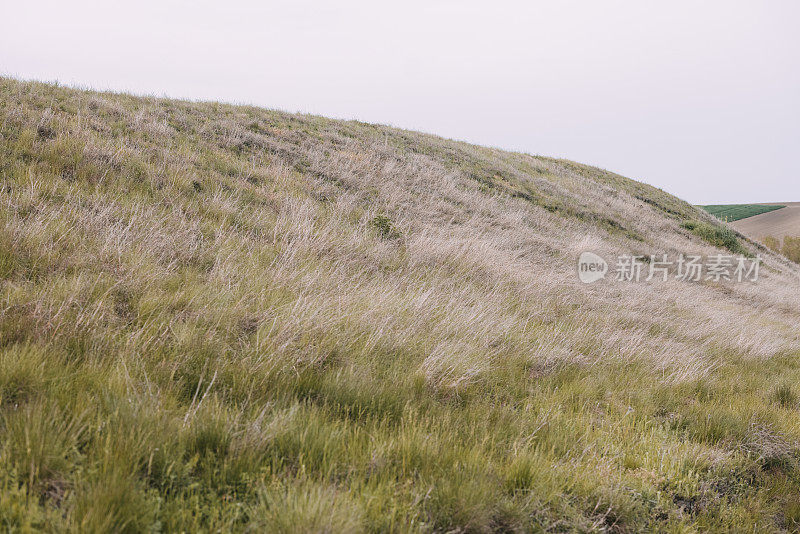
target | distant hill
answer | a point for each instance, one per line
(222, 318)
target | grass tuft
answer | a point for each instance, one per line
(785, 396)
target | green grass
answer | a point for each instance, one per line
(735, 212)
(717, 235)
(217, 318)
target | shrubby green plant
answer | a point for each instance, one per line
(716, 234)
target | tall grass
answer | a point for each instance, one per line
(221, 318)
(788, 246)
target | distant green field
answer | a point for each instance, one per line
(734, 212)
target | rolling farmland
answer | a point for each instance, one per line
(735, 212)
(776, 223)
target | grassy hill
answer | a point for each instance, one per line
(219, 318)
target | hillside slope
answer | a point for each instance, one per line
(222, 318)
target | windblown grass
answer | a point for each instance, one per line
(220, 318)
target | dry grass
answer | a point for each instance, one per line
(227, 318)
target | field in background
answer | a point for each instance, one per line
(778, 223)
(221, 318)
(734, 212)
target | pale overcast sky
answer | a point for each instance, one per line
(698, 98)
